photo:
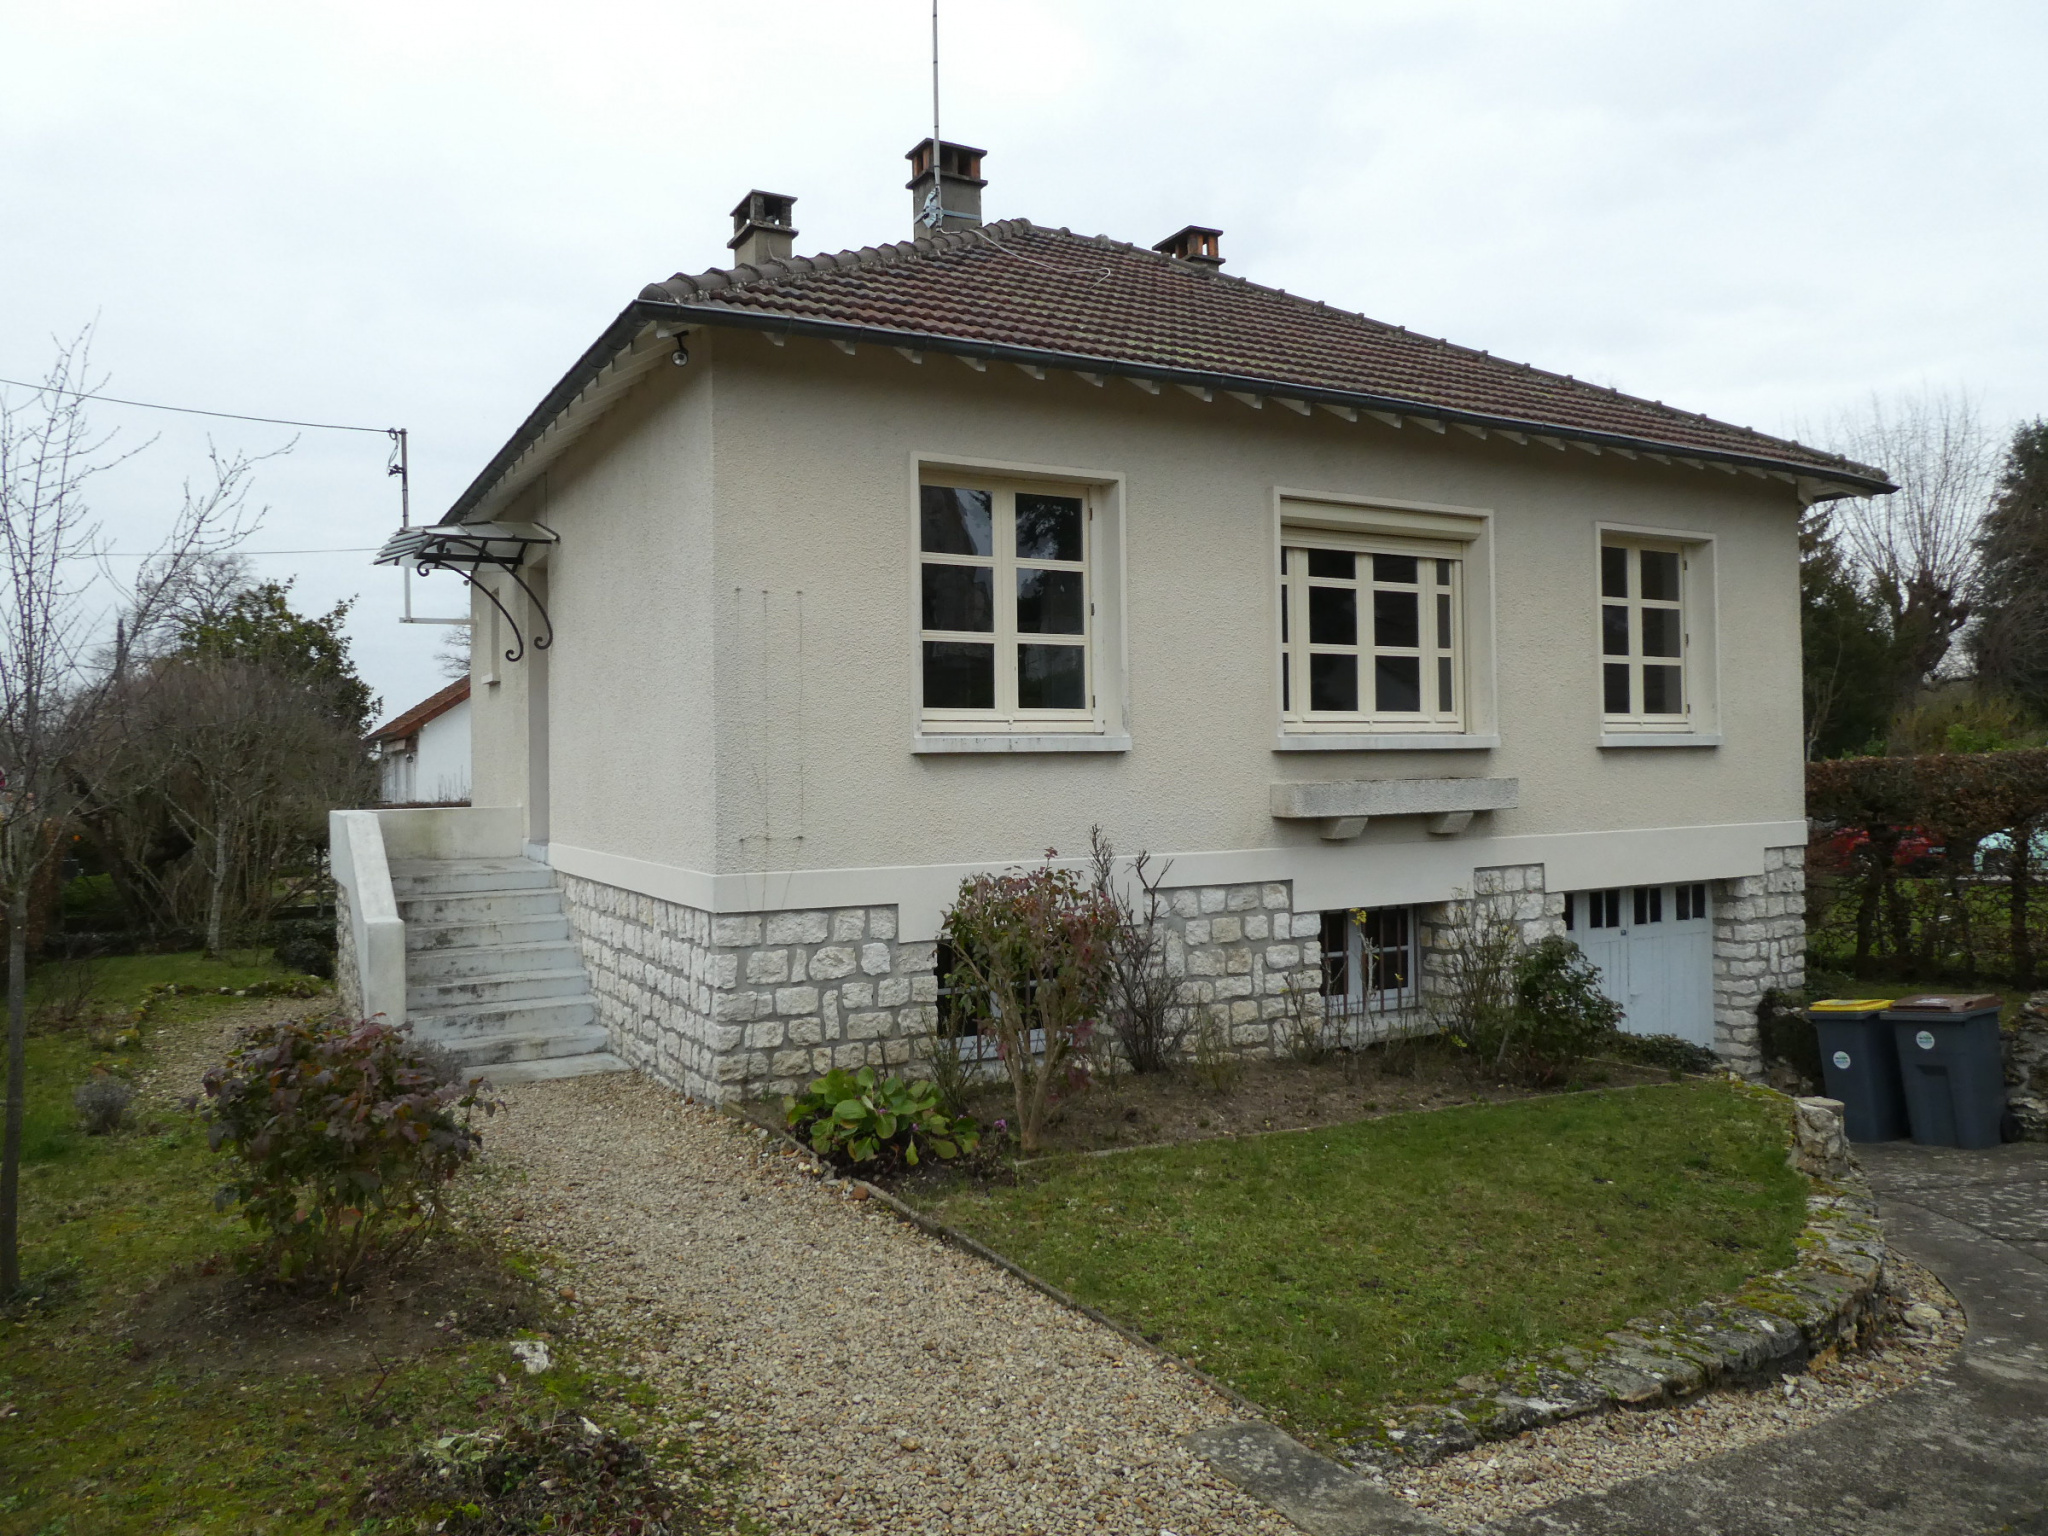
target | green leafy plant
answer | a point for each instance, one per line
(1667, 1051)
(342, 1135)
(860, 1118)
(1565, 1017)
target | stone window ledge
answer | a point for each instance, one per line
(1388, 741)
(928, 745)
(1660, 738)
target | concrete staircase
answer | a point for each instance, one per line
(491, 974)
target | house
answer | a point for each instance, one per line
(820, 583)
(423, 754)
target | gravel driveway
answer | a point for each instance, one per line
(883, 1381)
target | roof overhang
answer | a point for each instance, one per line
(634, 343)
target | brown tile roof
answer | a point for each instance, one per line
(427, 709)
(1018, 287)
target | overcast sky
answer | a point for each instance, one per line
(419, 213)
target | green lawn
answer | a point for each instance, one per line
(1327, 1273)
(95, 1440)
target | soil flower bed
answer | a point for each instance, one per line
(1332, 1273)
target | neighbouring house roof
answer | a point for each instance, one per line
(430, 708)
(1019, 292)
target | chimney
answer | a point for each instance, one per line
(960, 184)
(1196, 244)
(761, 230)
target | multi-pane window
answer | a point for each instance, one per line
(1642, 632)
(1370, 637)
(1369, 959)
(1604, 909)
(1004, 604)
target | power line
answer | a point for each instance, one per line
(187, 410)
(136, 554)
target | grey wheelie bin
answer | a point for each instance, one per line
(1860, 1067)
(1949, 1060)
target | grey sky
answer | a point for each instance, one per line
(419, 214)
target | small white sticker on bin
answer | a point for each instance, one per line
(1925, 1039)
(1842, 1060)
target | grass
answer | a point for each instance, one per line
(1329, 1273)
(99, 1436)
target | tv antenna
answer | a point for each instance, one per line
(934, 215)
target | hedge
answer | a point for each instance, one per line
(1928, 916)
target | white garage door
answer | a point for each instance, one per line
(1654, 945)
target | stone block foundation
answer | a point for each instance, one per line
(760, 1003)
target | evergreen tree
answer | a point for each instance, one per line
(1850, 669)
(257, 625)
(2010, 642)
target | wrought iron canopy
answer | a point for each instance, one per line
(463, 548)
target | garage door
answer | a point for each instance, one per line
(1654, 945)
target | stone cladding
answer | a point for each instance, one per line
(1245, 960)
(1759, 947)
(348, 978)
(754, 1003)
(760, 1003)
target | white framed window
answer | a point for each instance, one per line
(1369, 961)
(1644, 634)
(1005, 605)
(1371, 633)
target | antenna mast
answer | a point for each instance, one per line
(934, 205)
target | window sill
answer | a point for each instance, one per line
(1414, 741)
(1660, 739)
(935, 744)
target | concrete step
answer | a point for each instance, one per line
(410, 876)
(512, 1073)
(479, 906)
(518, 1014)
(459, 994)
(486, 1051)
(491, 935)
(431, 967)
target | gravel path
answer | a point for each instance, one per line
(883, 1381)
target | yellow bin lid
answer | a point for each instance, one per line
(1850, 1005)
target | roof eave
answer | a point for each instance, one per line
(1816, 482)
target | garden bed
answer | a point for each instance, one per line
(1335, 1273)
(147, 1385)
(1250, 1098)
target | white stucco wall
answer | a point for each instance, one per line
(731, 708)
(441, 769)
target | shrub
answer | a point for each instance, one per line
(859, 1118)
(1145, 1025)
(343, 1135)
(1473, 1003)
(1786, 1034)
(102, 1103)
(1667, 1051)
(1032, 965)
(307, 955)
(1565, 1017)
(559, 1474)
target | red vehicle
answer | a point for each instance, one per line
(1916, 853)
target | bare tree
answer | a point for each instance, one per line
(452, 655)
(1915, 550)
(54, 672)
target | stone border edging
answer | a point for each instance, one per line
(1770, 1326)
